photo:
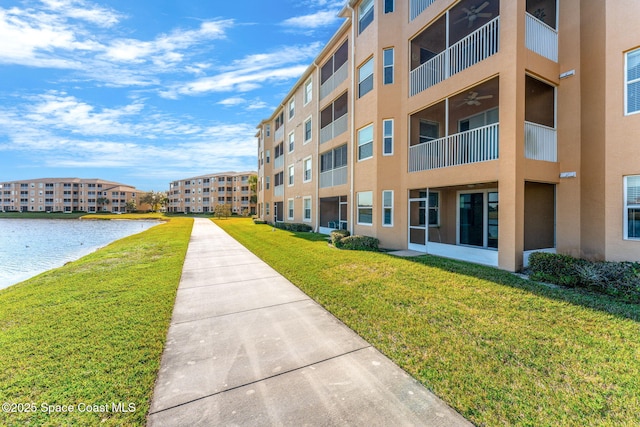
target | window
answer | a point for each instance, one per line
(387, 66)
(632, 87)
(267, 182)
(292, 108)
(268, 130)
(434, 209)
(290, 209)
(365, 143)
(632, 207)
(387, 208)
(387, 138)
(278, 179)
(429, 131)
(307, 169)
(308, 91)
(307, 130)
(292, 140)
(331, 116)
(306, 209)
(334, 159)
(365, 78)
(291, 175)
(389, 5)
(365, 208)
(365, 15)
(334, 64)
(266, 208)
(268, 156)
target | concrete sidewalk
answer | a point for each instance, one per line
(246, 347)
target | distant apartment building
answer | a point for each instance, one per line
(471, 129)
(201, 194)
(66, 195)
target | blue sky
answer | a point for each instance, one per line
(147, 91)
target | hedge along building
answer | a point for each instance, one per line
(477, 130)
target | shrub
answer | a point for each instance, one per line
(337, 236)
(359, 243)
(554, 268)
(619, 279)
(291, 226)
(259, 221)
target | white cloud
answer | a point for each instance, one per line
(232, 102)
(82, 10)
(313, 21)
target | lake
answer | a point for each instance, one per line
(31, 246)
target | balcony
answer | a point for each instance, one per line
(540, 135)
(278, 162)
(459, 130)
(416, 7)
(470, 50)
(279, 135)
(333, 129)
(541, 28)
(540, 142)
(333, 177)
(339, 76)
(472, 146)
(278, 190)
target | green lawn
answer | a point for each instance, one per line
(499, 349)
(92, 332)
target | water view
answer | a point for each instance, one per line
(29, 247)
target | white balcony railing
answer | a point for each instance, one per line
(333, 129)
(472, 49)
(334, 81)
(540, 142)
(416, 7)
(278, 162)
(279, 135)
(333, 177)
(278, 190)
(541, 38)
(472, 146)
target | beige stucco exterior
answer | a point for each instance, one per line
(507, 131)
(67, 195)
(201, 194)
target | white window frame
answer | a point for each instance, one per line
(628, 206)
(361, 78)
(266, 208)
(361, 143)
(308, 91)
(292, 173)
(363, 10)
(304, 130)
(291, 139)
(304, 169)
(290, 209)
(386, 65)
(627, 82)
(292, 108)
(305, 200)
(387, 207)
(267, 182)
(387, 136)
(367, 207)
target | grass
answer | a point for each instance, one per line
(41, 215)
(499, 349)
(92, 332)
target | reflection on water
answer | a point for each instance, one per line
(30, 246)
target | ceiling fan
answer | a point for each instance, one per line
(473, 13)
(473, 99)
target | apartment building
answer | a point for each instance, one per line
(201, 194)
(67, 195)
(481, 130)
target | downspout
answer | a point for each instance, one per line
(352, 201)
(317, 147)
